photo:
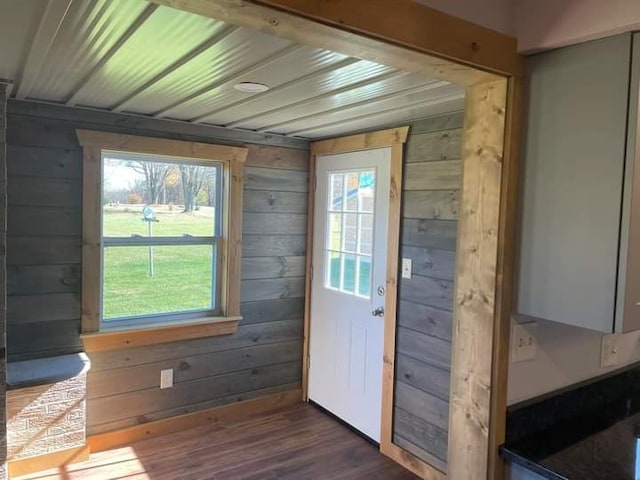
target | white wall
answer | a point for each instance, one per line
(545, 24)
(494, 14)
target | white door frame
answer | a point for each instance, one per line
(395, 139)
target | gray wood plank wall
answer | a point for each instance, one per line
(428, 237)
(44, 268)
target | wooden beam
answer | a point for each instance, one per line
(361, 141)
(476, 282)
(505, 272)
(409, 51)
(410, 24)
(127, 436)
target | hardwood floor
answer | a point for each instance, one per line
(297, 443)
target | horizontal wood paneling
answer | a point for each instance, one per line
(422, 405)
(39, 221)
(417, 431)
(44, 191)
(41, 250)
(44, 257)
(37, 308)
(278, 157)
(245, 336)
(428, 237)
(143, 125)
(141, 402)
(429, 350)
(272, 267)
(273, 245)
(424, 319)
(442, 175)
(276, 180)
(140, 377)
(434, 146)
(271, 310)
(430, 291)
(34, 279)
(439, 234)
(431, 204)
(423, 376)
(143, 420)
(274, 223)
(272, 288)
(44, 162)
(274, 202)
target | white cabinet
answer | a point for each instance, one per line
(580, 225)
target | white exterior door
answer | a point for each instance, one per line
(349, 274)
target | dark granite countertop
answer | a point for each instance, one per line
(587, 432)
(44, 371)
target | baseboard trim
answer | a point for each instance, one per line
(25, 466)
(126, 436)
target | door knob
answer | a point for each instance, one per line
(378, 312)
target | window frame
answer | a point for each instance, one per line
(95, 335)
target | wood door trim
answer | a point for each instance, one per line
(395, 139)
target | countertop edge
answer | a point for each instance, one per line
(510, 456)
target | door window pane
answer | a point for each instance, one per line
(350, 221)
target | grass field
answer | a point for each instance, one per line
(182, 274)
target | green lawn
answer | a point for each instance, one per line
(182, 274)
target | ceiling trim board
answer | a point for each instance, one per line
(389, 96)
(201, 48)
(301, 103)
(234, 77)
(329, 68)
(382, 113)
(98, 119)
(50, 22)
(133, 28)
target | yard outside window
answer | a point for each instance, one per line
(162, 225)
(161, 230)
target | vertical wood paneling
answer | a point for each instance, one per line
(428, 238)
(262, 357)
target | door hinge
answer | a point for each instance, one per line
(308, 362)
(315, 183)
(311, 272)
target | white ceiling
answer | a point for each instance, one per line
(135, 57)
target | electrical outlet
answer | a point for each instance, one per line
(166, 378)
(524, 342)
(406, 267)
(610, 353)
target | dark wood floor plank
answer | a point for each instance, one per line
(296, 443)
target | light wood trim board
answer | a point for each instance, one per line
(25, 466)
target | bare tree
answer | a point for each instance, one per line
(193, 179)
(154, 176)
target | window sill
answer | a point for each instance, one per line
(152, 335)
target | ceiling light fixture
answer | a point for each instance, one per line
(251, 87)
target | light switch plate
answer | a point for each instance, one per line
(406, 267)
(166, 378)
(524, 342)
